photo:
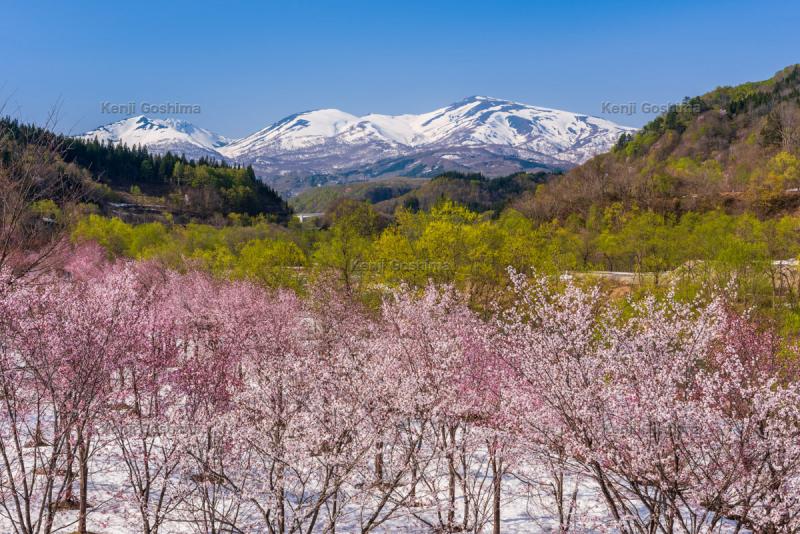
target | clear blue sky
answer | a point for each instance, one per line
(248, 64)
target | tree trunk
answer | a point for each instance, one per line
(496, 484)
(451, 509)
(282, 514)
(83, 466)
(379, 462)
(70, 474)
(335, 511)
(413, 494)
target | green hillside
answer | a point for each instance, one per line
(474, 191)
(733, 147)
(320, 199)
(131, 183)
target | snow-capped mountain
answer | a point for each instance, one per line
(478, 134)
(161, 136)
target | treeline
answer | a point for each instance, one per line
(319, 199)
(476, 191)
(200, 189)
(125, 165)
(109, 163)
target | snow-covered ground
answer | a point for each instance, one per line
(528, 505)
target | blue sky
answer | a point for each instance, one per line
(248, 64)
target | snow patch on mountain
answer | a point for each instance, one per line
(477, 134)
(161, 136)
(329, 140)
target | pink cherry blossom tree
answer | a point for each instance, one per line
(145, 418)
(644, 407)
(207, 374)
(66, 335)
(33, 440)
(231, 408)
(447, 389)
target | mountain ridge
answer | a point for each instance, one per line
(477, 134)
(161, 136)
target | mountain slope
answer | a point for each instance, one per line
(733, 147)
(474, 191)
(136, 185)
(160, 136)
(479, 134)
(320, 199)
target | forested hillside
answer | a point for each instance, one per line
(476, 191)
(319, 199)
(734, 147)
(115, 175)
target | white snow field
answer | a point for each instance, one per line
(480, 134)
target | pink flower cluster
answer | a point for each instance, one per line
(229, 408)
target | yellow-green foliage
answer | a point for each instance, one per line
(46, 208)
(781, 173)
(451, 244)
(262, 251)
(112, 234)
